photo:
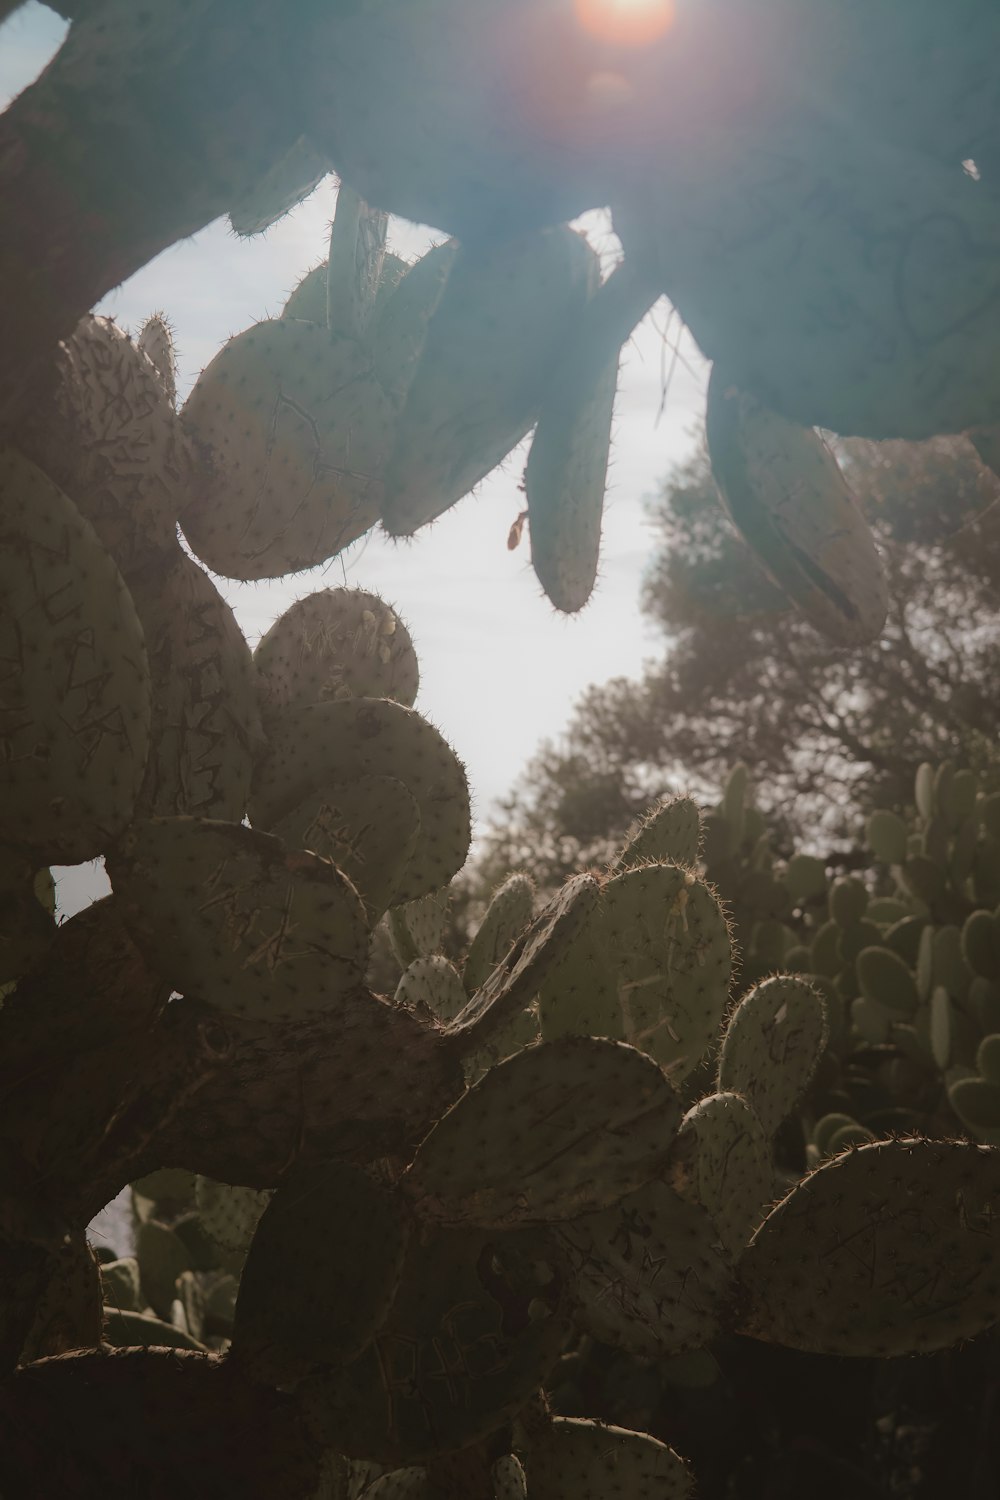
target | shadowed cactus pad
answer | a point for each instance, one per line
(233, 917)
(327, 743)
(786, 494)
(476, 1323)
(345, 1235)
(573, 1459)
(296, 432)
(338, 643)
(668, 941)
(491, 344)
(432, 984)
(75, 707)
(558, 1130)
(890, 1248)
(508, 914)
(206, 726)
(670, 833)
(649, 1275)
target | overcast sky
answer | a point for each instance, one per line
(500, 669)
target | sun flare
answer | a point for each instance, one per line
(626, 23)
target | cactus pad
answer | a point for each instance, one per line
(75, 717)
(889, 1248)
(297, 433)
(772, 1045)
(327, 743)
(564, 1128)
(571, 1458)
(233, 917)
(338, 643)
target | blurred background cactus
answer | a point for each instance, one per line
(531, 1204)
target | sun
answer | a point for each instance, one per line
(626, 23)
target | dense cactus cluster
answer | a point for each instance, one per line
(375, 1232)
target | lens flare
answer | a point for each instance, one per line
(626, 23)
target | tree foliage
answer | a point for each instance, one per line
(826, 732)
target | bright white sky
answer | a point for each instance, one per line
(499, 668)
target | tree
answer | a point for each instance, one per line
(826, 732)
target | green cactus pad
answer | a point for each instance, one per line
(228, 1215)
(432, 983)
(125, 1328)
(338, 643)
(988, 1057)
(564, 482)
(771, 1047)
(516, 980)
(509, 1480)
(206, 725)
(354, 263)
(327, 743)
(307, 299)
(890, 1248)
(369, 828)
(669, 834)
(887, 835)
(723, 1161)
(579, 997)
(848, 901)
(786, 494)
(976, 1101)
(234, 918)
(571, 1458)
(114, 444)
(805, 877)
(508, 914)
(650, 1274)
(76, 692)
(476, 1324)
(296, 174)
(883, 976)
(343, 1235)
(564, 1128)
(403, 314)
(162, 1257)
(296, 432)
(155, 340)
(400, 1484)
(121, 1286)
(491, 347)
(668, 940)
(417, 927)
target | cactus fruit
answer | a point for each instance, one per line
(785, 492)
(571, 1457)
(477, 1321)
(562, 1129)
(491, 346)
(298, 434)
(76, 705)
(899, 1236)
(337, 643)
(232, 917)
(325, 744)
